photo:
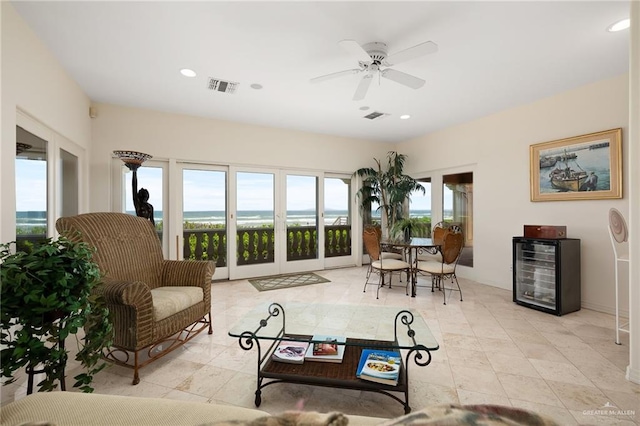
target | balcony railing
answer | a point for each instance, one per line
(257, 245)
(254, 245)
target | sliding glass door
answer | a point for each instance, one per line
(204, 216)
(337, 221)
(275, 222)
(303, 228)
(253, 223)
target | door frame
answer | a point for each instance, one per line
(220, 273)
(263, 269)
(56, 142)
(309, 264)
(354, 220)
(280, 265)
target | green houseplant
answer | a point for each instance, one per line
(46, 292)
(389, 187)
(412, 227)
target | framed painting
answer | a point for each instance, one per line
(586, 167)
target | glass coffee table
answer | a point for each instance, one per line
(365, 327)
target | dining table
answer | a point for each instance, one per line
(412, 248)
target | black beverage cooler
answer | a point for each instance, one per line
(546, 274)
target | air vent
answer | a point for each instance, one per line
(222, 86)
(376, 115)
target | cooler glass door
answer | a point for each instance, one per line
(536, 273)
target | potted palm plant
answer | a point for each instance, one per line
(388, 187)
(47, 295)
(412, 227)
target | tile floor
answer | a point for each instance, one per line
(491, 351)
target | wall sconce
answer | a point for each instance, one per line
(133, 160)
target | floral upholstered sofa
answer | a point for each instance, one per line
(73, 408)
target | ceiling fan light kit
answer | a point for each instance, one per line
(372, 57)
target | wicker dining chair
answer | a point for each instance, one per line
(383, 253)
(451, 248)
(379, 264)
(437, 234)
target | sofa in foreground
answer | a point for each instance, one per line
(82, 409)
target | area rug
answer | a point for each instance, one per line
(287, 281)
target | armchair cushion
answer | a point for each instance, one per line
(171, 300)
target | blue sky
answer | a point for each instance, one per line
(31, 175)
(204, 190)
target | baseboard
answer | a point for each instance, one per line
(604, 309)
(633, 375)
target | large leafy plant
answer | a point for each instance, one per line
(388, 187)
(46, 292)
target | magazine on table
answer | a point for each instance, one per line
(326, 349)
(379, 366)
(290, 352)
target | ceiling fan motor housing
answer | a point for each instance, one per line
(377, 51)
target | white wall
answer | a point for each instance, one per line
(180, 137)
(497, 148)
(33, 81)
(633, 370)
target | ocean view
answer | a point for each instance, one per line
(28, 220)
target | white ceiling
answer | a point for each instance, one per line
(492, 56)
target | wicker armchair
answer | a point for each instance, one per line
(156, 304)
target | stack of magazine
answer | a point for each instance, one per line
(324, 349)
(379, 366)
(290, 352)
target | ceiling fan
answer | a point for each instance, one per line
(372, 57)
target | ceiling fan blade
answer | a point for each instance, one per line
(354, 48)
(363, 87)
(403, 78)
(413, 52)
(334, 75)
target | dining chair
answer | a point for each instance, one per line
(384, 253)
(450, 249)
(437, 234)
(379, 264)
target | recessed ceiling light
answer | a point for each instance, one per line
(256, 86)
(405, 117)
(364, 108)
(187, 72)
(623, 24)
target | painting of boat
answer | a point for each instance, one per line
(567, 179)
(546, 162)
(567, 156)
(585, 167)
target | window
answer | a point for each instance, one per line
(457, 206)
(31, 187)
(149, 178)
(420, 209)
